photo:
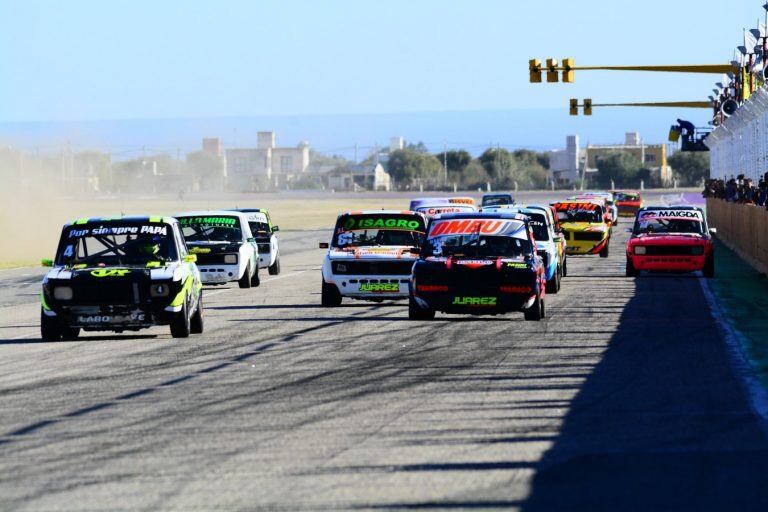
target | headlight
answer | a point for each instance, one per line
(230, 259)
(639, 249)
(697, 250)
(62, 293)
(159, 290)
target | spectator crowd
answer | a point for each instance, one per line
(739, 190)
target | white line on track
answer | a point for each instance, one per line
(757, 396)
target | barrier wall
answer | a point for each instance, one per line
(743, 228)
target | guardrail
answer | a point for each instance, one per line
(743, 228)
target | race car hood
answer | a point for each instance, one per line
(372, 253)
(669, 239)
(584, 226)
(164, 272)
(212, 247)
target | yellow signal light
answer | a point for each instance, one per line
(552, 75)
(587, 107)
(534, 70)
(574, 107)
(568, 73)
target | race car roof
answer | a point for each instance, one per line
(672, 207)
(210, 213)
(127, 218)
(481, 215)
(249, 210)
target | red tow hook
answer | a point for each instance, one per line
(448, 262)
(498, 263)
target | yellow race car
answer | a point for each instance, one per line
(586, 229)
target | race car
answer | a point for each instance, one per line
(628, 203)
(370, 255)
(478, 263)
(585, 227)
(444, 201)
(121, 274)
(497, 199)
(266, 238)
(225, 248)
(610, 212)
(547, 245)
(671, 239)
(431, 206)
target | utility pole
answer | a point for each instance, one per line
(445, 163)
(355, 152)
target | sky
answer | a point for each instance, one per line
(96, 60)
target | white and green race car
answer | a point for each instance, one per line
(121, 274)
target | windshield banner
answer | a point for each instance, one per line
(153, 229)
(671, 215)
(217, 222)
(576, 207)
(370, 222)
(507, 227)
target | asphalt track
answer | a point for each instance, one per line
(623, 399)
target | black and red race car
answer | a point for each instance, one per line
(671, 239)
(480, 264)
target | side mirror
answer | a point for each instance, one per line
(323, 245)
(47, 263)
(275, 229)
(713, 231)
(190, 258)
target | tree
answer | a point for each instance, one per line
(623, 168)
(497, 163)
(474, 175)
(406, 166)
(456, 160)
(419, 147)
(690, 167)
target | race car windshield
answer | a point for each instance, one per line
(626, 197)
(480, 246)
(111, 245)
(378, 230)
(499, 200)
(539, 225)
(211, 229)
(580, 215)
(668, 226)
(259, 228)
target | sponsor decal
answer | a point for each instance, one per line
(474, 301)
(461, 200)
(472, 226)
(379, 287)
(475, 263)
(431, 288)
(110, 272)
(382, 223)
(110, 319)
(230, 222)
(199, 250)
(119, 230)
(576, 207)
(436, 210)
(516, 289)
(672, 215)
(516, 265)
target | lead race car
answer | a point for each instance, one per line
(225, 248)
(670, 239)
(628, 203)
(370, 255)
(121, 274)
(585, 227)
(479, 263)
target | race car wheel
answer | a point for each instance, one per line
(196, 323)
(604, 251)
(631, 270)
(553, 285)
(565, 267)
(330, 296)
(49, 328)
(256, 280)
(709, 266)
(181, 325)
(245, 281)
(416, 312)
(536, 311)
(274, 269)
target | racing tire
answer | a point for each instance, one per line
(197, 322)
(181, 324)
(604, 251)
(256, 280)
(330, 297)
(565, 267)
(416, 312)
(49, 328)
(274, 269)
(631, 270)
(245, 281)
(553, 285)
(709, 267)
(536, 312)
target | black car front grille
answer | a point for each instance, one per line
(590, 236)
(94, 293)
(669, 250)
(264, 247)
(210, 259)
(387, 268)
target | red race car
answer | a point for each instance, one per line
(628, 203)
(670, 239)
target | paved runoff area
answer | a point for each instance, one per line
(626, 398)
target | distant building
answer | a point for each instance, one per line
(266, 166)
(652, 156)
(208, 167)
(360, 177)
(564, 164)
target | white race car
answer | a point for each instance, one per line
(371, 255)
(225, 248)
(266, 237)
(431, 206)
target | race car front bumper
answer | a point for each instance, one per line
(658, 263)
(584, 247)
(219, 274)
(114, 318)
(371, 287)
(483, 300)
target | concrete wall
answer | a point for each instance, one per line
(743, 228)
